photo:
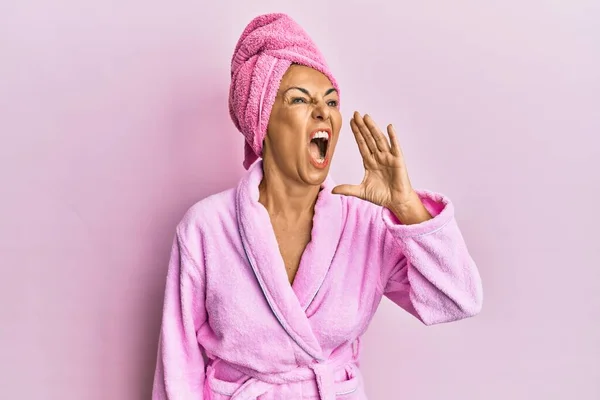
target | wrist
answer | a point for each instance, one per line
(410, 211)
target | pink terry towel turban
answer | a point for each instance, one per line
(266, 49)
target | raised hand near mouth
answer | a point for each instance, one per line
(386, 182)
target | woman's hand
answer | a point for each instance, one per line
(386, 182)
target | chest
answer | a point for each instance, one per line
(292, 241)
(332, 300)
(249, 300)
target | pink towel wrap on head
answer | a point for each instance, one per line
(266, 49)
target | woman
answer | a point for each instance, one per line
(275, 281)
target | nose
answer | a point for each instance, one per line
(321, 111)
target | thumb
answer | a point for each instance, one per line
(348, 190)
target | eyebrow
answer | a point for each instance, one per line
(329, 91)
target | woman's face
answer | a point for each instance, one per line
(304, 126)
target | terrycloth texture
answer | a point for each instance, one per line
(266, 49)
(227, 293)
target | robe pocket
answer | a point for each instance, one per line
(218, 389)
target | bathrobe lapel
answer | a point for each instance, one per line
(288, 302)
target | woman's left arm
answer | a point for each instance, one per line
(426, 268)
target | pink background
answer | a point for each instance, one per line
(114, 120)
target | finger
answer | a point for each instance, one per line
(395, 148)
(362, 145)
(348, 190)
(366, 134)
(380, 140)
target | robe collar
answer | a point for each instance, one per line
(289, 302)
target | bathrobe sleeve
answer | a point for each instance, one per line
(427, 269)
(180, 372)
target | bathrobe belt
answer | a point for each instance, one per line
(318, 379)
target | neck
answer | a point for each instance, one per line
(286, 198)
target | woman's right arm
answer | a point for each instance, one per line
(180, 367)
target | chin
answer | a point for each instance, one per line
(315, 173)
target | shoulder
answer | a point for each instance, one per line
(205, 216)
(361, 217)
(360, 210)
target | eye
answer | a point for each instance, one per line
(332, 103)
(297, 100)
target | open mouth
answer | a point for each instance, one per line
(319, 143)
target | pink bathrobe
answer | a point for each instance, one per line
(228, 295)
